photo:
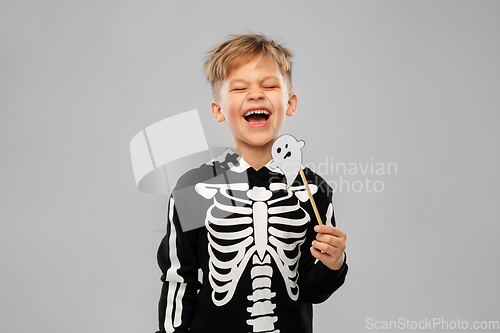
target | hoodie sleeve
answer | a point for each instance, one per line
(178, 263)
(316, 281)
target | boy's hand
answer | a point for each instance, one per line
(329, 246)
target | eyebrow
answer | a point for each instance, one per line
(264, 79)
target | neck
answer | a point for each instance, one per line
(257, 157)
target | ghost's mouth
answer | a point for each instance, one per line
(288, 155)
(256, 116)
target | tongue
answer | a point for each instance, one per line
(256, 118)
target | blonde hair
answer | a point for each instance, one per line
(240, 49)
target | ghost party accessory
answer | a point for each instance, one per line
(287, 156)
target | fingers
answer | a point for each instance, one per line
(333, 262)
(329, 246)
(323, 247)
(333, 241)
(319, 255)
(331, 235)
(328, 229)
(332, 249)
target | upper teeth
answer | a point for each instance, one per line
(256, 112)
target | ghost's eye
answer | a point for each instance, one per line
(286, 146)
(279, 150)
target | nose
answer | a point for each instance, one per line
(255, 94)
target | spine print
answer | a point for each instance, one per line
(262, 310)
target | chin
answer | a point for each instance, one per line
(260, 142)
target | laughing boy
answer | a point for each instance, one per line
(264, 259)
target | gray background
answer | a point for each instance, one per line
(409, 82)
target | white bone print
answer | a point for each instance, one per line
(261, 272)
(257, 230)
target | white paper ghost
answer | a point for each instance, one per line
(287, 156)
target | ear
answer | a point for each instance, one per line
(216, 111)
(292, 105)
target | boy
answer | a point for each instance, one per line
(263, 257)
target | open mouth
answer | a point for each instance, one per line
(257, 116)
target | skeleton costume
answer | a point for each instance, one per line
(250, 236)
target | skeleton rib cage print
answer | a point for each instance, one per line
(254, 232)
(250, 239)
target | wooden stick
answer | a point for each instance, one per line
(304, 180)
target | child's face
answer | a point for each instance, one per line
(253, 101)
